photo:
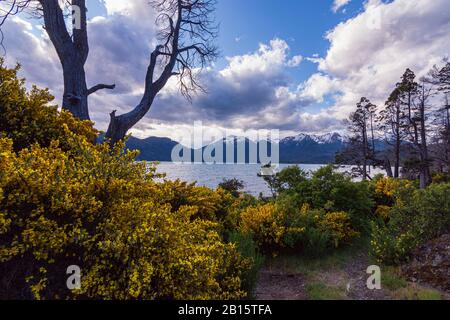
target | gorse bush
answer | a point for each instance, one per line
(312, 213)
(262, 222)
(65, 201)
(278, 226)
(385, 192)
(338, 225)
(26, 119)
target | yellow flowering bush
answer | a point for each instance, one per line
(387, 192)
(338, 225)
(275, 226)
(67, 202)
(100, 210)
(261, 221)
(383, 211)
(26, 118)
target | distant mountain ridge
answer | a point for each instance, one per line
(302, 148)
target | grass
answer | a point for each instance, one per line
(326, 277)
(416, 292)
(335, 259)
(400, 289)
(321, 291)
(391, 280)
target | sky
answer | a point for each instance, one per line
(291, 65)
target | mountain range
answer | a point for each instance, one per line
(302, 148)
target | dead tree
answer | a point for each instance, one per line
(186, 45)
(360, 148)
(390, 122)
(71, 45)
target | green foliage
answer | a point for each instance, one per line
(328, 190)
(416, 217)
(390, 279)
(321, 291)
(279, 226)
(288, 178)
(233, 186)
(249, 250)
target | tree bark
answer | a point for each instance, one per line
(388, 167)
(119, 125)
(365, 151)
(425, 175)
(72, 52)
(397, 143)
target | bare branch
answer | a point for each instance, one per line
(187, 33)
(100, 86)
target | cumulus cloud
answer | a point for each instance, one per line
(338, 4)
(319, 85)
(252, 91)
(369, 53)
(25, 44)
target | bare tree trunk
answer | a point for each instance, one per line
(119, 125)
(388, 167)
(186, 47)
(75, 97)
(425, 175)
(397, 143)
(72, 52)
(365, 175)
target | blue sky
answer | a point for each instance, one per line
(292, 65)
(303, 23)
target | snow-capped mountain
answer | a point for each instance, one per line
(302, 148)
(308, 148)
(332, 137)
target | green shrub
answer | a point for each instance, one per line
(328, 190)
(249, 250)
(233, 186)
(416, 217)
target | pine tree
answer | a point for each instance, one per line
(390, 121)
(361, 148)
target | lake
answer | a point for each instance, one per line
(211, 175)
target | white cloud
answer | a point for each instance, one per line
(295, 61)
(369, 53)
(252, 91)
(319, 85)
(269, 58)
(338, 4)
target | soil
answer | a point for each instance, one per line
(274, 284)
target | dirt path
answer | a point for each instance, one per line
(343, 280)
(276, 285)
(357, 280)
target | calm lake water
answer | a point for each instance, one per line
(211, 175)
